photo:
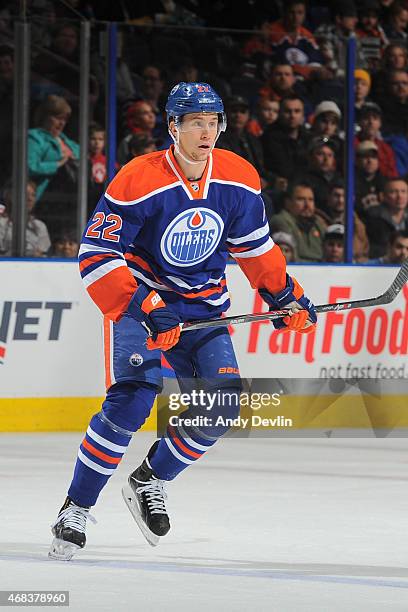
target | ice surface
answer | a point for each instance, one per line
(281, 524)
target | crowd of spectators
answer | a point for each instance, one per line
(281, 72)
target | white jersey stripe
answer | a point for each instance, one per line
(264, 248)
(94, 466)
(255, 235)
(116, 448)
(147, 280)
(105, 268)
(177, 454)
(86, 248)
(181, 283)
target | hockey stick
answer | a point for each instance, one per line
(385, 298)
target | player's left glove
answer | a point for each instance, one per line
(304, 317)
(149, 308)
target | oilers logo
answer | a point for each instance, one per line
(136, 360)
(191, 237)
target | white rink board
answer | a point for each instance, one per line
(51, 332)
(365, 343)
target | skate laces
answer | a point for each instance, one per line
(155, 495)
(74, 517)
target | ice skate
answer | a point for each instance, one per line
(69, 531)
(144, 496)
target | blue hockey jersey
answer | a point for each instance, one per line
(154, 226)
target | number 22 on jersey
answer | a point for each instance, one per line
(112, 226)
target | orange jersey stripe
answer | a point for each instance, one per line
(182, 446)
(99, 453)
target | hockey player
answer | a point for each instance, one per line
(152, 256)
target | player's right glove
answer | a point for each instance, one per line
(164, 325)
(304, 317)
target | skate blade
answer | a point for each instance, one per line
(131, 502)
(62, 550)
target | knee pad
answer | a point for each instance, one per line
(128, 404)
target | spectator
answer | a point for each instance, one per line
(37, 238)
(332, 38)
(239, 140)
(292, 42)
(285, 142)
(298, 219)
(266, 113)
(370, 129)
(395, 58)
(97, 165)
(397, 250)
(370, 33)
(397, 24)
(391, 215)
(321, 169)
(140, 144)
(369, 180)
(395, 103)
(336, 209)
(65, 244)
(326, 124)
(150, 88)
(96, 153)
(282, 83)
(53, 162)
(287, 245)
(57, 71)
(140, 119)
(362, 88)
(333, 244)
(246, 83)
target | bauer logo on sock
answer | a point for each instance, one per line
(136, 360)
(191, 237)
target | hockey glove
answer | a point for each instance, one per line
(303, 318)
(149, 308)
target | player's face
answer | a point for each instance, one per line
(197, 134)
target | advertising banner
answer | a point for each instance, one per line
(52, 362)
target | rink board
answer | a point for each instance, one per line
(51, 359)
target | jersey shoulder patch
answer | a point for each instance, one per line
(232, 168)
(141, 177)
